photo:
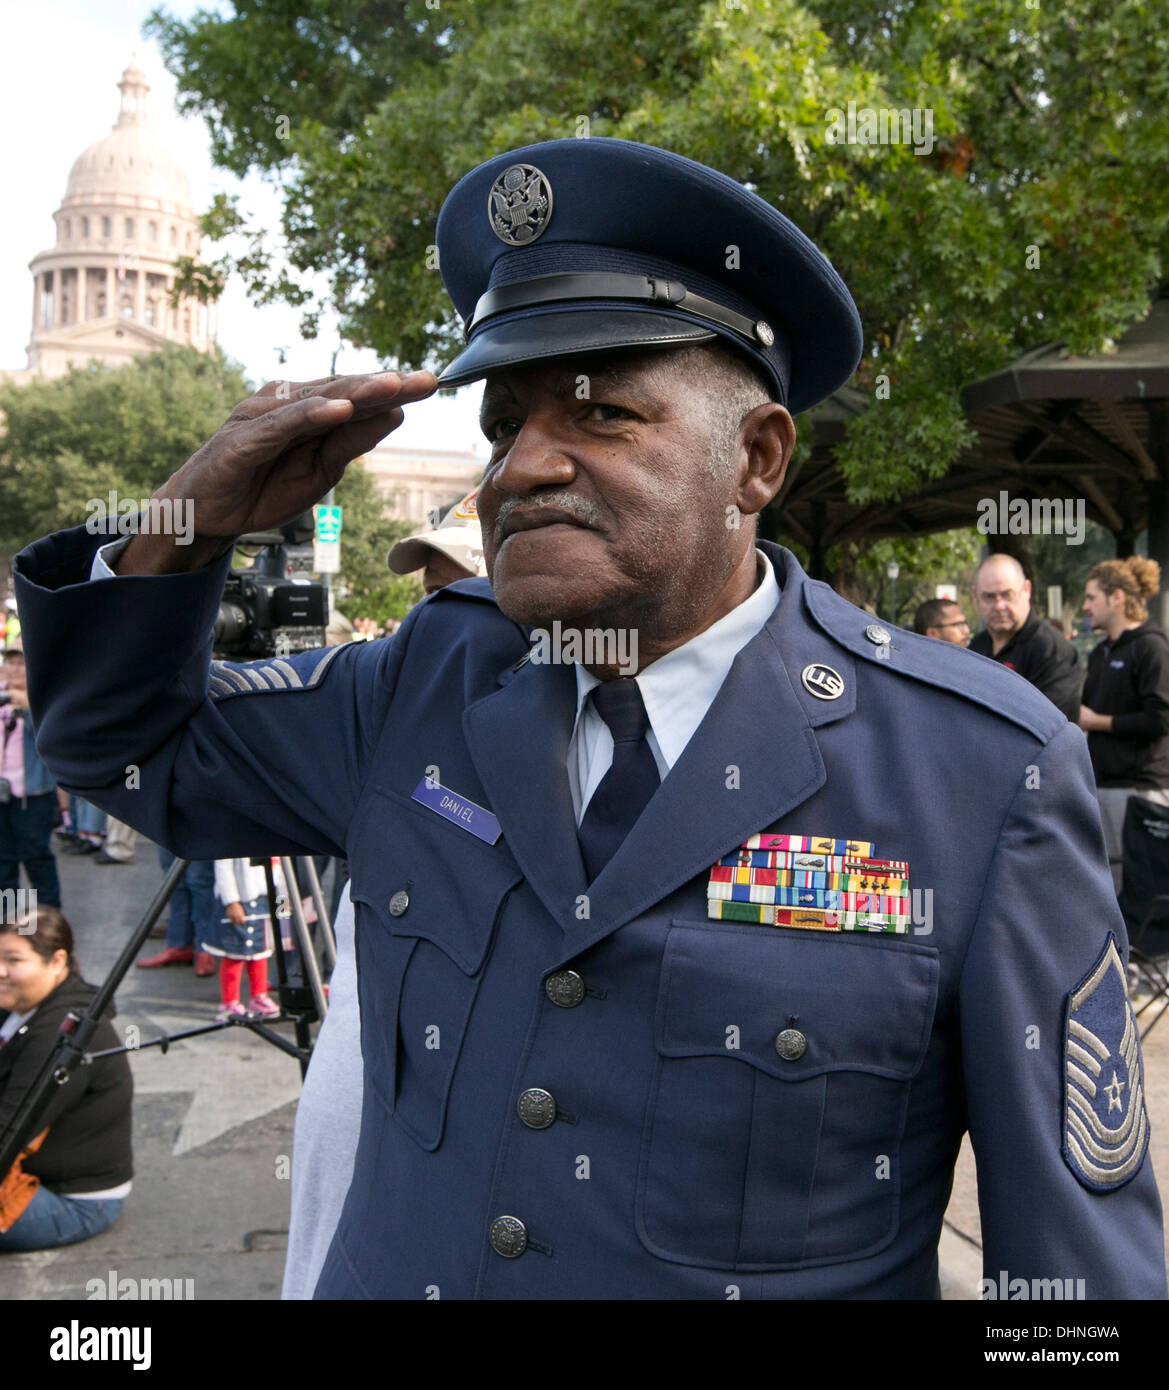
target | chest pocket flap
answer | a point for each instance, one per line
(428, 898)
(858, 1003)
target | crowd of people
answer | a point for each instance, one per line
(1121, 699)
(343, 629)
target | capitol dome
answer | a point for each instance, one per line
(129, 160)
(103, 290)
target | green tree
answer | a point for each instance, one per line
(1037, 209)
(70, 441)
(860, 571)
(373, 590)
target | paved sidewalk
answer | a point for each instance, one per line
(212, 1121)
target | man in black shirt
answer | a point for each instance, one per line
(1015, 637)
(1126, 695)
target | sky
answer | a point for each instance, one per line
(59, 67)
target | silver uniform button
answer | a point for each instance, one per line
(565, 988)
(509, 1237)
(878, 635)
(399, 903)
(536, 1107)
(791, 1044)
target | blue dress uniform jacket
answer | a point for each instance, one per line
(574, 1090)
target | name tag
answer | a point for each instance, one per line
(458, 810)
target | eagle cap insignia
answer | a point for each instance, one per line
(1106, 1127)
(519, 205)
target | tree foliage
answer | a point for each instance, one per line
(1039, 213)
(860, 572)
(372, 590)
(98, 429)
(72, 441)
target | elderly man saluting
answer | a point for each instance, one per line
(684, 983)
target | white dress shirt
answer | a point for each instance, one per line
(107, 557)
(677, 688)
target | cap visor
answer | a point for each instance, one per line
(407, 556)
(567, 333)
(452, 541)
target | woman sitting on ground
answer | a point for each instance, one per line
(73, 1184)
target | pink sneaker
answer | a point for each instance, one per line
(229, 1011)
(263, 1006)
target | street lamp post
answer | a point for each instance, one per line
(893, 569)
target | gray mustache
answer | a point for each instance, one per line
(587, 513)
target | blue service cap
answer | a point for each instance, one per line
(577, 246)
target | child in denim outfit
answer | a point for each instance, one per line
(243, 937)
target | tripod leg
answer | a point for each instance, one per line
(300, 930)
(328, 941)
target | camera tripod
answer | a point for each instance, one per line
(302, 1002)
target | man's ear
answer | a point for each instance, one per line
(767, 437)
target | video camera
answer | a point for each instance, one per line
(273, 608)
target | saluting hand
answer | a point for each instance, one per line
(279, 452)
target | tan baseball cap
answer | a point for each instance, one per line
(454, 532)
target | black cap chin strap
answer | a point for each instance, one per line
(547, 289)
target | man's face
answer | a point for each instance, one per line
(953, 626)
(606, 501)
(1003, 597)
(1098, 606)
(440, 570)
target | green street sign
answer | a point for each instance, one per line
(328, 521)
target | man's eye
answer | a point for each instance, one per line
(500, 429)
(610, 412)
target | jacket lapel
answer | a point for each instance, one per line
(518, 737)
(753, 759)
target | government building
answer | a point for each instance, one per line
(102, 292)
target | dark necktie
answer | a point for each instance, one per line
(626, 788)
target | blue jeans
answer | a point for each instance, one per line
(85, 816)
(50, 1220)
(25, 826)
(192, 913)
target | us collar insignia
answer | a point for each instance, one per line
(822, 681)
